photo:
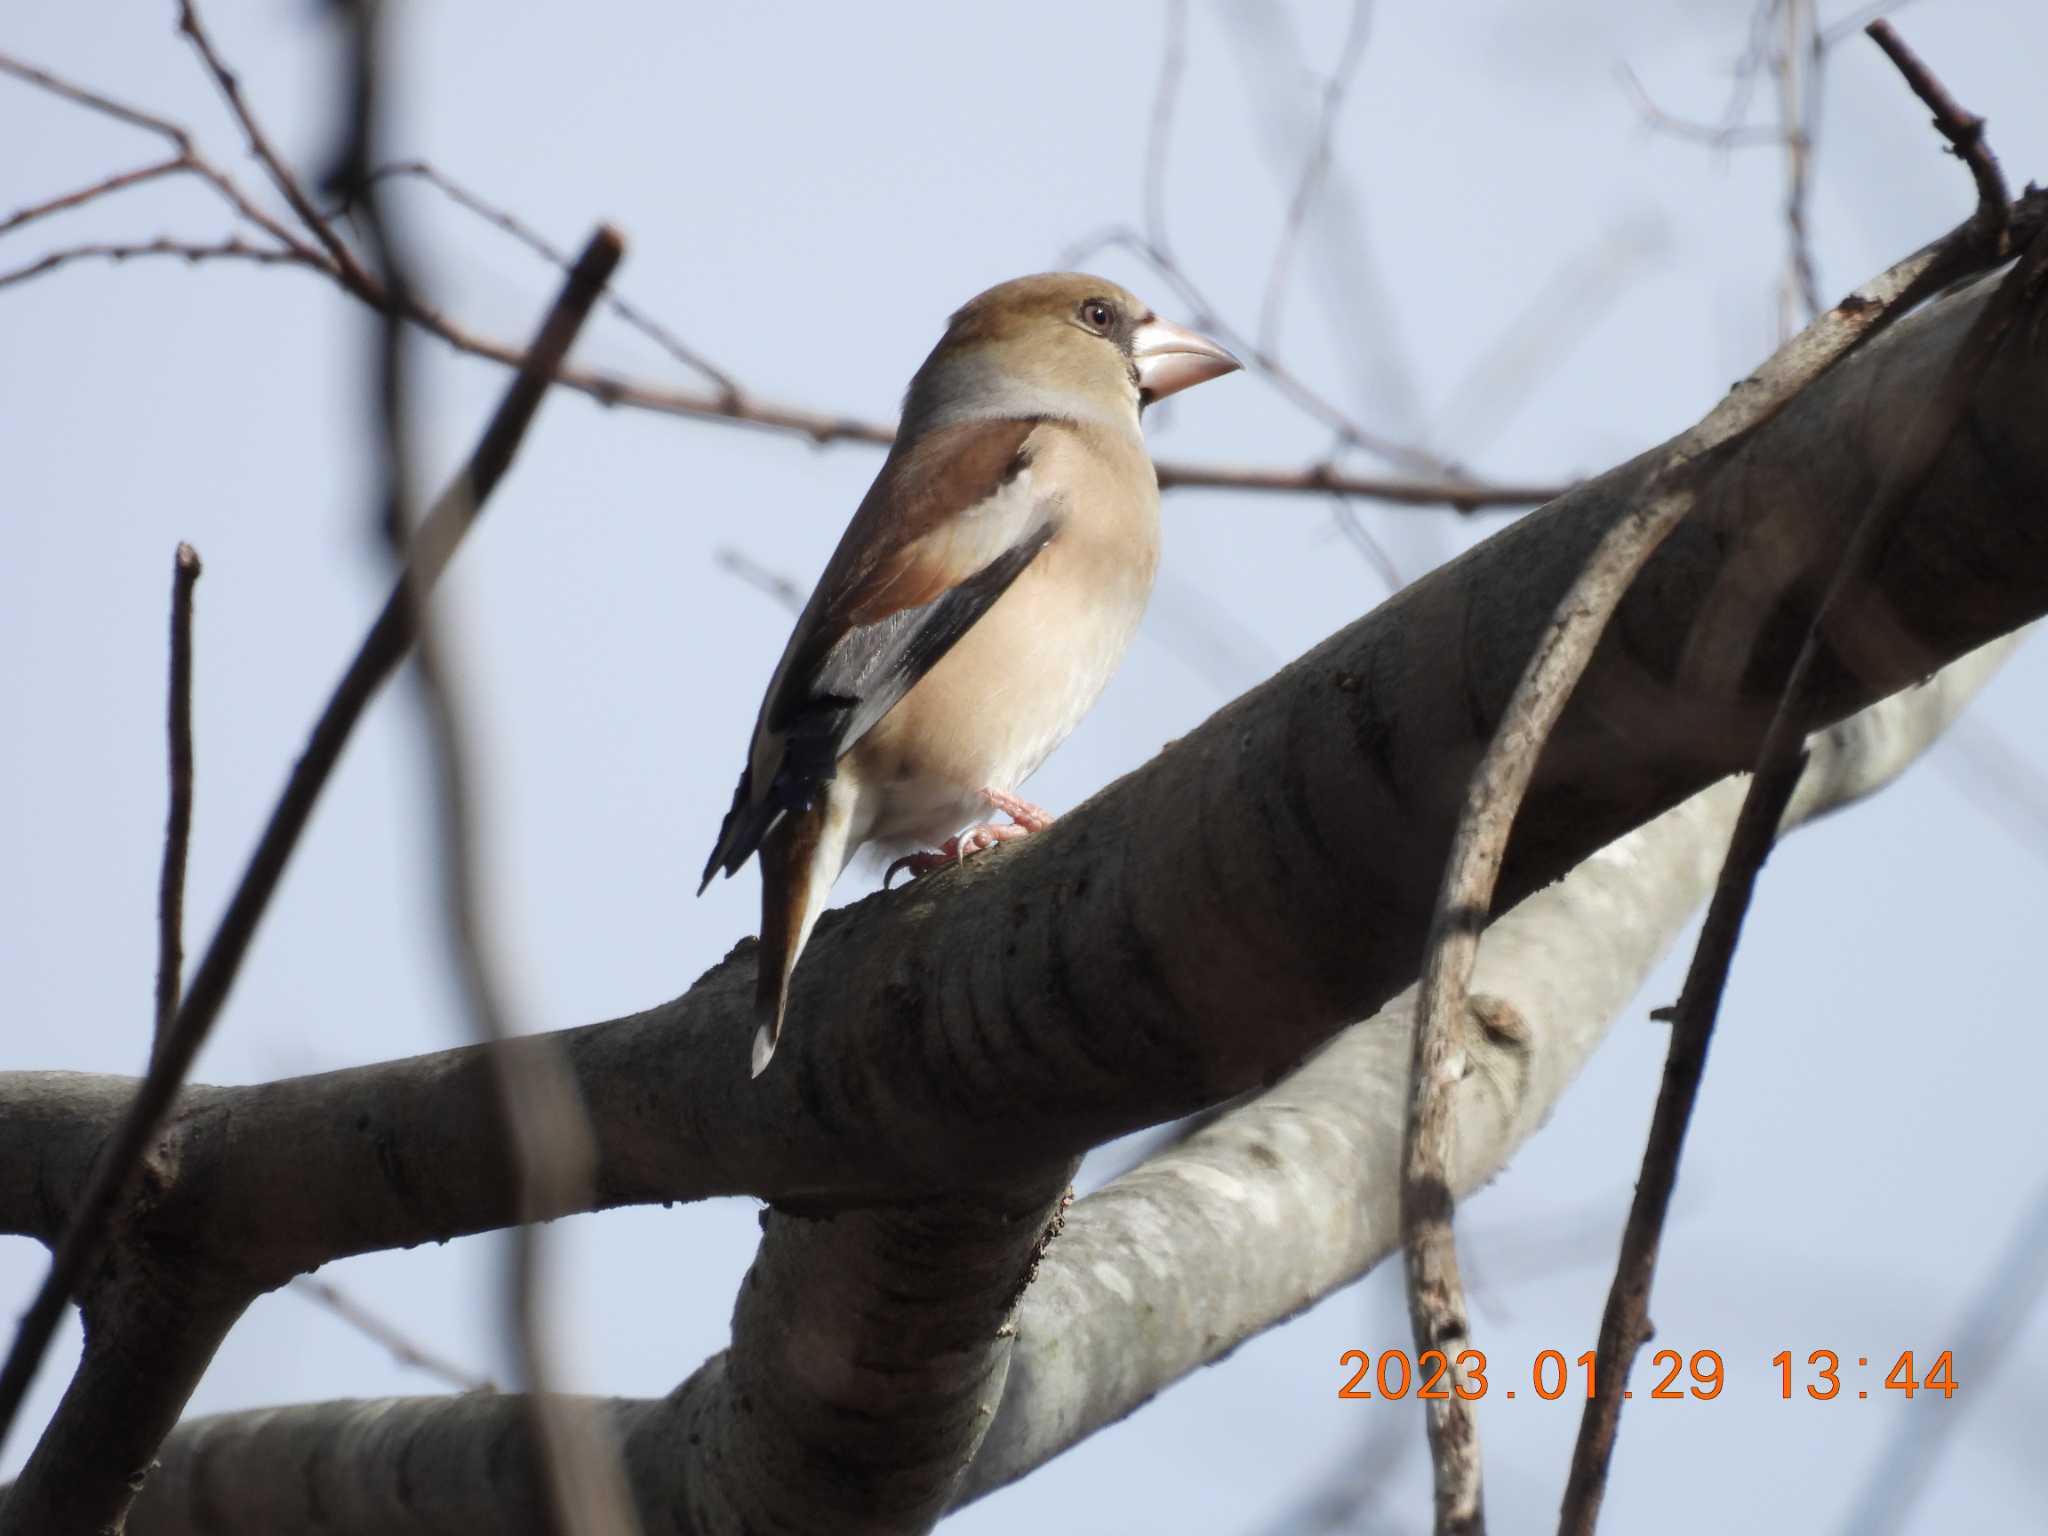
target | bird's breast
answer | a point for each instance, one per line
(1016, 684)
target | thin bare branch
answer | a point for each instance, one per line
(1853, 24)
(1314, 167)
(1173, 61)
(1963, 129)
(1433, 482)
(380, 1330)
(533, 240)
(1436, 1295)
(348, 270)
(120, 181)
(1722, 135)
(1799, 71)
(761, 578)
(170, 902)
(1352, 526)
(93, 101)
(382, 649)
(547, 1136)
(2006, 784)
(1625, 1325)
(2002, 1308)
(232, 249)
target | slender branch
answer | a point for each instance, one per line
(770, 583)
(1799, 69)
(234, 248)
(1436, 1295)
(380, 653)
(120, 181)
(1625, 1324)
(1431, 482)
(533, 240)
(380, 1330)
(348, 270)
(1173, 60)
(545, 1133)
(1314, 167)
(93, 101)
(1963, 129)
(170, 902)
(1352, 526)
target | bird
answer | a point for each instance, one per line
(974, 609)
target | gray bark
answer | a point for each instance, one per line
(1189, 935)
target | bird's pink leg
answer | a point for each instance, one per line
(1025, 818)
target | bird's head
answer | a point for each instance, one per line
(1059, 344)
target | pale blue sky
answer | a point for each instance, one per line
(807, 195)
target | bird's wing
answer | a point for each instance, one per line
(949, 523)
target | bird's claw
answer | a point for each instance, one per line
(1025, 818)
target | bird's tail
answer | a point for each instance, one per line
(800, 859)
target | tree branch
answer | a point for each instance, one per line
(1963, 129)
(116, 1171)
(170, 904)
(1329, 795)
(1625, 1324)
(1494, 797)
(1227, 1235)
(323, 251)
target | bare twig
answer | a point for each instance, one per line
(120, 181)
(348, 270)
(1433, 482)
(394, 1340)
(547, 1136)
(1722, 135)
(1625, 1322)
(1314, 168)
(2001, 1309)
(1799, 70)
(1290, 385)
(2006, 785)
(1963, 129)
(534, 241)
(1857, 20)
(93, 101)
(170, 901)
(382, 649)
(774, 584)
(1173, 59)
(1352, 526)
(1498, 784)
(232, 249)
(1452, 491)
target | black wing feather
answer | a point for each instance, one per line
(860, 679)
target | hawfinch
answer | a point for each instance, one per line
(975, 607)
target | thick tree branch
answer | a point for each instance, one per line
(1494, 797)
(1296, 1193)
(1280, 1202)
(1139, 936)
(1625, 1325)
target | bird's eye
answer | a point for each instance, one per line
(1097, 315)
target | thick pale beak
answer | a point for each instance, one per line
(1171, 358)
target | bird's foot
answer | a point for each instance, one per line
(1025, 818)
(1031, 818)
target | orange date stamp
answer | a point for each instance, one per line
(1823, 1376)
